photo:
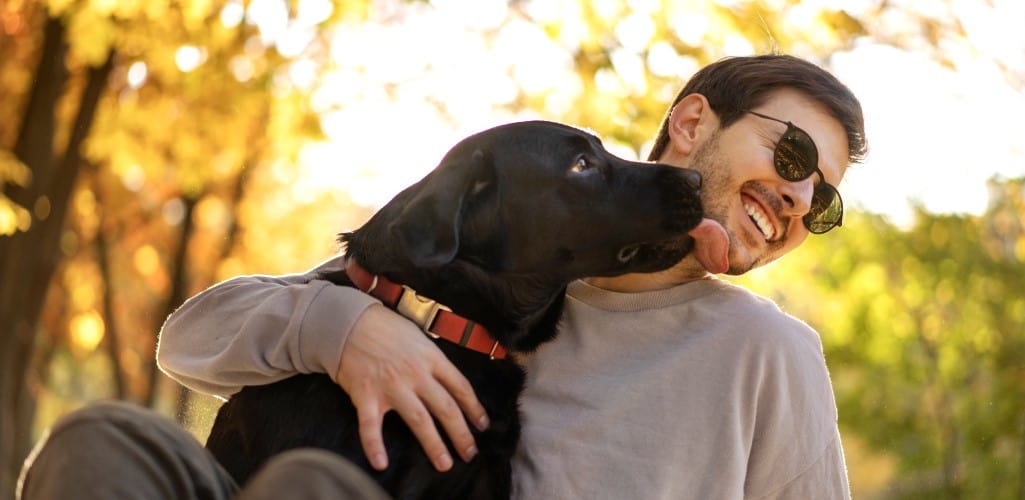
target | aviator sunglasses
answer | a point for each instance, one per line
(796, 158)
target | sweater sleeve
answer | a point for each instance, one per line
(257, 329)
(826, 478)
(795, 451)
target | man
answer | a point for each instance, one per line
(666, 385)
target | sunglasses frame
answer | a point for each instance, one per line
(825, 194)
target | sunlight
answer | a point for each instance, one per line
(538, 64)
(391, 109)
(146, 260)
(629, 67)
(689, 26)
(636, 32)
(232, 13)
(664, 61)
(270, 17)
(313, 12)
(189, 57)
(13, 218)
(86, 331)
(924, 142)
(241, 68)
(137, 74)
(483, 14)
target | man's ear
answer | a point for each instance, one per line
(690, 122)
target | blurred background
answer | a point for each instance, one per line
(150, 148)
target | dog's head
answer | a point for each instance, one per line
(539, 197)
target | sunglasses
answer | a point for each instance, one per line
(796, 158)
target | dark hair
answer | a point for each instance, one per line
(737, 84)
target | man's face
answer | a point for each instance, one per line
(760, 211)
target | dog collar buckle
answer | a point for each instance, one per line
(421, 310)
(425, 312)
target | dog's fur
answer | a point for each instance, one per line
(496, 232)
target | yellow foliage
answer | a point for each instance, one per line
(156, 10)
(58, 7)
(90, 36)
(82, 283)
(13, 218)
(13, 170)
(212, 213)
(195, 13)
(146, 260)
(190, 134)
(86, 330)
(102, 7)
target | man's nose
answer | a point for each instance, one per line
(797, 196)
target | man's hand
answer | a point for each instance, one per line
(389, 364)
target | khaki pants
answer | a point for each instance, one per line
(116, 450)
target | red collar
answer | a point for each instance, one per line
(433, 318)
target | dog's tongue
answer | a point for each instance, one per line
(711, 246)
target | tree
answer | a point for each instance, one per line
(149, 149)
(125, 96)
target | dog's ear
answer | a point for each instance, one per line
(428, 226)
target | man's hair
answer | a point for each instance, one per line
(737, 84)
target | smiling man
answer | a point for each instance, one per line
(669, 385)
(767, 182)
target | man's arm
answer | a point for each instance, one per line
(254, 330)
(796, 451)
(826, 478)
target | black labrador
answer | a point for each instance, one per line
(494, 234)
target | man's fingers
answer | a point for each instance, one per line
(448, 413)
(370, 422)
(389, 364)
(462, 392)
(419, 420)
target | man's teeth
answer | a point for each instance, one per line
(761, 221)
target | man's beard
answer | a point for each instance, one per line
(716, 198)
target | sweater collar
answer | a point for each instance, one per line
(639, 301)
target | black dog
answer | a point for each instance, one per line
(496, 232)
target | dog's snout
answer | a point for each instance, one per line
(692, 179)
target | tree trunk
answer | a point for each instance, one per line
(19, 289)
(29, 259)
(179, 291)
(112, 338)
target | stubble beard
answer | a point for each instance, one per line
(716, 179)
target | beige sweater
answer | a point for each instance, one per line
(702, 391)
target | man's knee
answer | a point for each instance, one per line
(105, 413)
(107, 422)
(115, 448)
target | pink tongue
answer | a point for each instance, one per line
(711, 246)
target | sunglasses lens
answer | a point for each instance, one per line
(826, 210)
(796, 155)
(796, 158)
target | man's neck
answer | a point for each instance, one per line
(686, 271)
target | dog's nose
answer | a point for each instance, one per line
(692, 179)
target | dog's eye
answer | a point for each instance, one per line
(580, 165)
